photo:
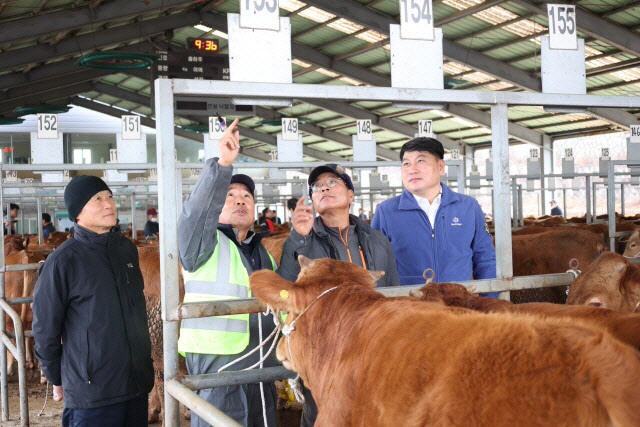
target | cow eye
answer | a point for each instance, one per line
(596, 304)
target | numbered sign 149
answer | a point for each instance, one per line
(562, 26)
(48, 126)
(290, 129)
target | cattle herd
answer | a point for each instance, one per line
(442, 355)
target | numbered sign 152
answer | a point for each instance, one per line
(260, 14)
(48, 126)
(365, 133)
(290, 129)
(131, 127)
(562, 26)
(416, 19)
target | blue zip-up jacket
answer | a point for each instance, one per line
(460, 247)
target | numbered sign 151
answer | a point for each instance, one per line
(47, 126)
(131, 127)
(216, 129)
(562, 26)
(260, 14)
(416, 19)
(365, 133)
(425, 129)
(290, 129)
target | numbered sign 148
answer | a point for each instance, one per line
(365, 133)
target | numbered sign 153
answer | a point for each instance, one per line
(260, 14)
(365, 133)
(48, 126)
(131, 127)
(290, 129)
(416, 19)
(562, 26)
(216, 129)
(425, 129)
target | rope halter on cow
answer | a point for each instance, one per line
(573, 269)
(286, 331)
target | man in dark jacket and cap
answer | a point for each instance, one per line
(333, 234)
(90, 319)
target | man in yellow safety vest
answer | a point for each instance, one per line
(218, 252)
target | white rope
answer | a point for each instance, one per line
(46, 395)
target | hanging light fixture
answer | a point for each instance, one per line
(117, 60)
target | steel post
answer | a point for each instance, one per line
(514, 202)
(39, 219)
(594, 201)
(4, 385)
(520, 206)
(18, 352)
(611, 205)
(564, 202)
(168, 205)
(587, 190)
(133, 216)
(500, 151)
(22, 221)
(204, 409)
(622, 212)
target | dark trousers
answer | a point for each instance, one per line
(242, 402)
(130, 413)
(309, 410)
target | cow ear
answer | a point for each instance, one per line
(305, 263)
(270, 288)
(471, 288)
(416, 293)
(376, 275)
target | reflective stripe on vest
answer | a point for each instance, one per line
(219, 334)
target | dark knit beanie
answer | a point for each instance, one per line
(80, 190)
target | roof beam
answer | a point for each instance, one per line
(377, 21)
(487, 4)
(595, 26)
(47, 96)
(40, 25)
(95, 40)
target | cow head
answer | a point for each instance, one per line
(316, 276)
(633, 245)
(610, 282)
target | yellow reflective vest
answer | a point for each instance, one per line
(222, 277)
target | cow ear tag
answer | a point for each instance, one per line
(284, 294)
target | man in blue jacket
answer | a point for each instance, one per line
(431, 226)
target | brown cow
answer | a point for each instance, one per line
(21, 284)
(624, 326)
(551, 252)
(610, 282)
(632, 250)
(400, 362)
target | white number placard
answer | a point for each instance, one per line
(194, 174)
(216, 129)
(533, 153)
(153, 174)
(605, 152)
(131, 127)
(416, 19)
(455, 154)
(260, 14)
(65, 175)
(113, 155)
(568, 152)
(11, 176)
(634, 133)
(47, 126)
(425, 128)
(290, 129)
(562, 26)
(364, 130)
(474, 168)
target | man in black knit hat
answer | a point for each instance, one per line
(89, 316)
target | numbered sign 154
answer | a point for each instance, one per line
(131, 127)
(290, 129)
(562, 26)
(365, 132)
(416, 19)
(48, 126)
(216, 129)
(260, 14)
(425, 129)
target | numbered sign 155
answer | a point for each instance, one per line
(48, 126)
(562, 26)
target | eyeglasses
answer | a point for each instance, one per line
(331, 182)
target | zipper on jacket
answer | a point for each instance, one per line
(86, 365)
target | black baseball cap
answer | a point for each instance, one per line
(245, 180)
(333, 168)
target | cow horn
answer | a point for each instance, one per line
(471, 288)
